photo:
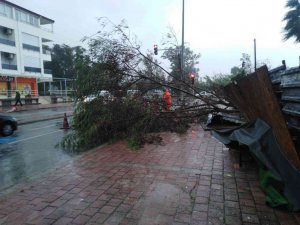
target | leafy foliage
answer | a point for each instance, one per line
(172, 52)
(116, 64)
(292, 26)
(65, 59)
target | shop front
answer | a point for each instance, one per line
(9, 85)
(5, 86)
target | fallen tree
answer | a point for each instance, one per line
(116, 64)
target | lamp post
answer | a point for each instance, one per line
(182, 50)
(182, 42)
(254, 55)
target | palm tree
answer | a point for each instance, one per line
(292, 18)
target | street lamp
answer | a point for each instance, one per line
(182, 49)
(182, 42)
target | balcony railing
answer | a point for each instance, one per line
(9, 67)
(12, 93)
(31, 47)
(47, 71)
(32, 69)
(7, 42)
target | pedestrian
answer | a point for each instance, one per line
(18, 98)
(168, 99)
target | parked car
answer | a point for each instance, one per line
(104, 94)
(8, 125)
(132, 93)
(203, 93)
(155, 93)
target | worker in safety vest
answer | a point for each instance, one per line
(168, 99)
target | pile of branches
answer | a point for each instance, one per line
(115, 63)
(101, 121)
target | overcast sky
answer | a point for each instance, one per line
(221, 30)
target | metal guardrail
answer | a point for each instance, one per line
(61, 92)
(9, 94)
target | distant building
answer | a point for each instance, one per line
(24, 36)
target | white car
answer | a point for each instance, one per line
(105, 94)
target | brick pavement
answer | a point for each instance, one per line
(190, 179)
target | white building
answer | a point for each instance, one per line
(23, 49)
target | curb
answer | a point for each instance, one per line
(34, 107)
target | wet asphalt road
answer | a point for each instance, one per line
(41, 114)
(31, 151)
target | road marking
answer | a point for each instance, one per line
(26, 139)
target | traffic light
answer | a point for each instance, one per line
(155, 50)
(192, 77)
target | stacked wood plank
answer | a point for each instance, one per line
(254, 96)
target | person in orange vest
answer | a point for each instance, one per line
(168, 99)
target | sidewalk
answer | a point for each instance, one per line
(190, 179)
(34, 107)
(34, 113)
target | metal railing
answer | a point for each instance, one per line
(61, 92)
(32, 69)
(9, 67)
(12, 93)
(7, 42)
(31, 47)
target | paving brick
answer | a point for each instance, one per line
(124, 208)
(99, 218)
(113, 185)
(216, 213)
(107, 209)
(184, 218)
(201, 207)
(81, 219)
(63, 221)
(90, 211)
(232, 211)
(115, 218)
(250, 218)
(197, 215)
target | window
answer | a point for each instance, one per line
(33, 20)
(5, 10)
(30, 40)
(27, 18)
(31, 62)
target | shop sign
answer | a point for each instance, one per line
(44, 79)
(6, 79)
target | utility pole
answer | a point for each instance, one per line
(254, 55)
(182, 42)
(182, 50)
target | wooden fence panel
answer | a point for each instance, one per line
(254, 97)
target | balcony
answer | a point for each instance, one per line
(31, 47)
(9, 67)
(7, 42)
(47, 71)
(46, 51)
(32, 69)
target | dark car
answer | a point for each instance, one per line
(8, 125)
